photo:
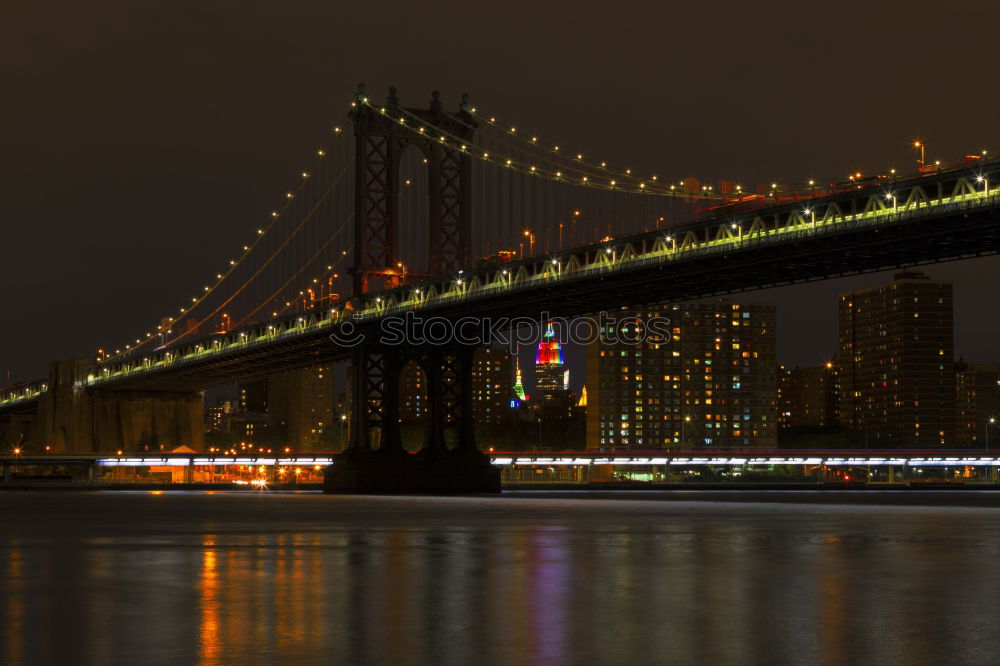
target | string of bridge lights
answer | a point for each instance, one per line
(233, 264)
(274, 255)
(547, 150)
(329, 271)
(483, 154)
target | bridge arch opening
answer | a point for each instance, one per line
(413, 228)
(414, 406)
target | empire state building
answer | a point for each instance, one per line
(551, 375)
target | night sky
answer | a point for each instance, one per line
(142, 141)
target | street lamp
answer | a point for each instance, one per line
(531, 241)
(812, 215)
(687, 419)
(986, 184)
(990, 421)
(920, 144)
(343, 419)
(893, 197)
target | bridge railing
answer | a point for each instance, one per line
(21, 393)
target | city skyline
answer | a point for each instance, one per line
(499, 334)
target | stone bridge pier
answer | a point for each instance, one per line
(74, 418)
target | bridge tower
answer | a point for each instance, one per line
(449, 460)
(382, 135)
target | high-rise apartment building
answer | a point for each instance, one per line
(807, 396)
(301, 402)
(709, 385)
(413, 403)
(491, 385)
(977, 390)
(896, 363)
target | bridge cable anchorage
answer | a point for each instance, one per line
(233, 265)
(483, 154)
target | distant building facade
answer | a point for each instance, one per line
(491, 385)
(301, 404)
(977, 405)
(807, 396)
(896, 361)
(711, 385)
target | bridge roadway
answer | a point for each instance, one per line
(947, 215)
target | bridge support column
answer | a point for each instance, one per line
(375, 460)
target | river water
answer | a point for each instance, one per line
(534, 578)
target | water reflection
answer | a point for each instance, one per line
(210, 579)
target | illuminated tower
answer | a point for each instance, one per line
(518, 385)
(551, 376)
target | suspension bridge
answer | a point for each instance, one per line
(459, 213)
